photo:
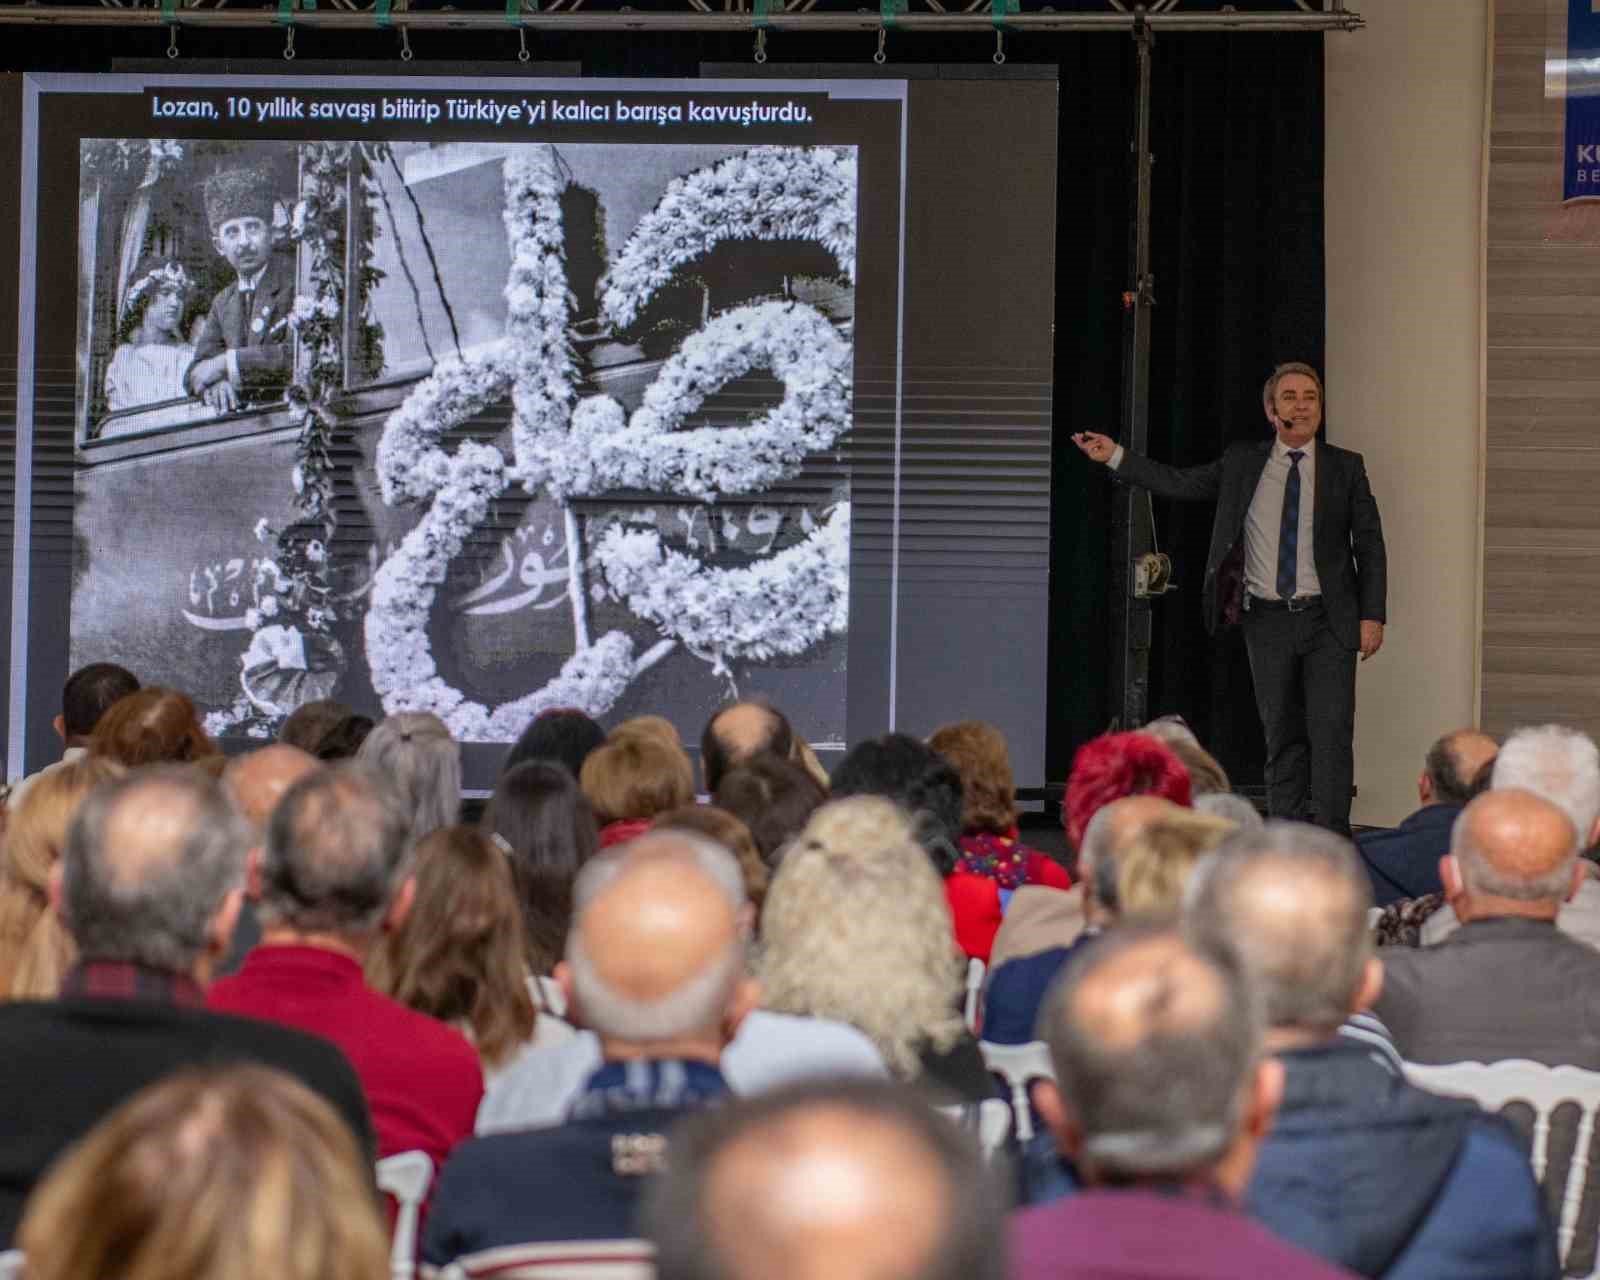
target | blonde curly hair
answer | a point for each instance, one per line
(855, 927)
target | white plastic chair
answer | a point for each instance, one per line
(11, 1264)
(1017, 1065)
(975, 971)
(993, 1118)
(1496, 1085)
(406, 1176)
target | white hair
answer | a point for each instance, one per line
(1235, 808)
(695, 1004)
(1557, 764)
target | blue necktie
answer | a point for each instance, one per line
(1289, 530)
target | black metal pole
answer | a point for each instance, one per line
(1132, 533)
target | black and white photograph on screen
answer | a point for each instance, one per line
(476, 428)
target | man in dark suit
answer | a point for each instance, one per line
(1297, 556)
(1403, 862)
(149, 887)
(244, 352)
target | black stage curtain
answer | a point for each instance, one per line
(1238, 263)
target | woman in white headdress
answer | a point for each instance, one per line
(148, 365)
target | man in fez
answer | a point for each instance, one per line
(244, 351)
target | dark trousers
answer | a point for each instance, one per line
(1306, 693)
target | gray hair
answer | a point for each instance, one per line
(1168, 1103)
(1308, 960)
(421, 763)
(1235, 808)
(337, 849)
(128, 894)
(1480, 875)
(695, 1004)
(1098, 847)
(1558, 764)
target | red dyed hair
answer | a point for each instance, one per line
(1116, 765)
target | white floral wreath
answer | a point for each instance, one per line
(780, 605)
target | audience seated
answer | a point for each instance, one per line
(849, 1181)
(234, 1173)
(1234, 808)
(856, 929)
(1136, 859)
(420, 764)
(1207, 777)
(1507, 983)
(89, 693)
(335, 874)
(309, 723)
(35, 949)
(150, 883)
(630, 779)
(458, 954)
(773, 797)
(152, 726)
(1164, 1166)
(344, 740)
(739, 731)
(1406, 1185)
(655, 966)
(993, 862)
(563, 736)
(720, 825)
(540, 819)
(1404, 862)
(255, 782)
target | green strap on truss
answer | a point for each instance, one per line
(763, 12)
(381, 10)
(169, 10)
(285, 12)
(889, 10)
(999, 10)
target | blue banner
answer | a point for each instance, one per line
(1581, 154)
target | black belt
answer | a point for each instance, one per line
(1299, 604)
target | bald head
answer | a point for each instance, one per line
(738, 732)
(257, 781)
(825, 1182)
(658, 940)
(1452, 764)
(1513, 845)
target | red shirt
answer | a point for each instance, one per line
(422, 1078)
(976, 906)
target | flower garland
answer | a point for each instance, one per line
(781, 605)
(766, 193)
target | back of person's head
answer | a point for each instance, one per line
(458, 955)
(738, 731)
(420, 764)
(773, 797)
(1108, 832)
(236, 1173)
(1154, 1037)
(1453, 763)
(563, 735)
(1146, 878)
(918, 779)
(657, 727)
(89, 693)
(1115, 765)
(1206, 774)
(632, 777)
(1235, 808)
(257, 780)
(659, 941)
(1558, 763)
(718, 824)
(149, 865)
(1293, 900)
(34, 946)
(1513, 845)
(854, 1180)
(855, 895)
(308, 723)
(344, 738)
(151, 726)
(988, 790)
(336, 853)
(548, 830)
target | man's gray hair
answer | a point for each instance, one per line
(695, 1004)
(421, 764)
(1099, 845)
(1558, 764)
(1480, 875)
(1232, 806)
(1308, 961)
(148, 861)
(1168, 1103)
(338, 848)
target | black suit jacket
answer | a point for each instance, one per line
(265, 353)
(1347, 533)
(65, 1064)
(1404, 861)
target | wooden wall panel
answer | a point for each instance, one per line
(1540, 652)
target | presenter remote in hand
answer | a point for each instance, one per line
(1296, 558)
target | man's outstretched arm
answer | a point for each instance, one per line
(1192, 484)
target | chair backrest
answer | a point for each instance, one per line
(11, 1264)
(1494, 1086)
(406, 1176)
(991, 1118)
(555, 1260)
(1017, 1065)
(975, 971)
